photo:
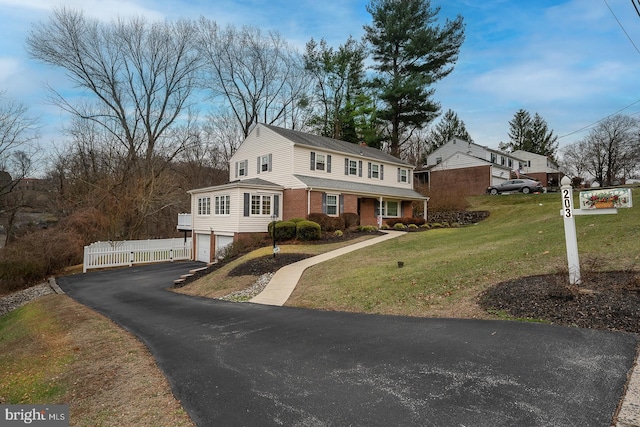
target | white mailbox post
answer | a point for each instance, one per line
(597, 202)
(570, 235)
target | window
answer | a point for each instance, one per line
(353, 167)
(403, 175)
(332, 204)
(494, 158)
(509, 162)
(264, 163)
(204, 205)
(242, 168)
(389, 208)
(320, 162)
(260, 205)
(375, 173)
(222, 205)
(502, 160)
(438, 160)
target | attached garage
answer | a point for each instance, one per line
(203, 250)
(222, 242)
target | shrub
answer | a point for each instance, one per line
(399, 226)
(391, 222)
(308, 230)
(320, 218)
(350, 219)
(327, 223)
(412, 226)
(297, 220)
(285, 230)
(338, 233)
(367, 228)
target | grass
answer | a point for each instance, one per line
(56, 351)
(218, 284)
(446, 269)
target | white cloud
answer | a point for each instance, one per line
(99, 9)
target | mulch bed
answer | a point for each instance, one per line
(266, 264)
(605, 300)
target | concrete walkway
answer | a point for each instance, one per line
(284, 281)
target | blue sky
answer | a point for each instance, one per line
(569, 61)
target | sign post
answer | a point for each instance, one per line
(570, 235)
(595, 202)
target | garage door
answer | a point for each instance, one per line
(221, 243)
(204, 247)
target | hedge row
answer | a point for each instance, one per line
(294, 229)
(332, 223)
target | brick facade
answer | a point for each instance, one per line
(469, 181)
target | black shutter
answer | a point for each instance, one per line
(341, 211)
(259, 165)
(313, 161)
(270, 161)
(236, 169)
(360, 168)
(276, 205)
(324, 203)
(398, 174)
(369, 176)
(381, 172)
(346, 166)
(247, 203)
(328, 163)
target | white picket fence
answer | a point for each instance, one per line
(130, 252)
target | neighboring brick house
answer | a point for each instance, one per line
(470, 168)
(281, 174)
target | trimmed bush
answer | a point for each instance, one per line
(412, 226)
(391, 222)
(285, 230)
(367, 228)
(399, 226)
(297, 220)
(308, 230)
(327, 223)
(350, 219)
(338, 233)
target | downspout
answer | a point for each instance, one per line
(309, 189)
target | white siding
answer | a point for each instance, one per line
(263, 141)
(235, 222)
(539, 163)
(459, 161)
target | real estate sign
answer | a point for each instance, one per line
(606, 198)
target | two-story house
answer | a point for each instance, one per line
(540, 167)
(470, 168)
(279, 174)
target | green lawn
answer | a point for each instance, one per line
(445, 269)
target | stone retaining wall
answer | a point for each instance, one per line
(461, 217)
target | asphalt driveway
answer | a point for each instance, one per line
(239, 364)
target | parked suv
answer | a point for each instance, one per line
(525, 185)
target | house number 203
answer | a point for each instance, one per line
(566, 201)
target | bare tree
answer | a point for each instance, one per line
(18, 134)
(140, 74)
(141, 77)
(259, 76)
(609, 152)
